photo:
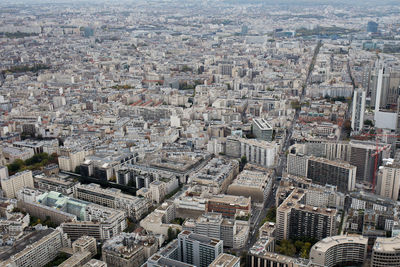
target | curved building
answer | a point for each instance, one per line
(339, 250)
(386, 252)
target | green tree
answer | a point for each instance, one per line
(243, 160)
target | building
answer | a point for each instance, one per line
(217, 175)
(198, 250)
(386, 252)
(35, 250)
(362, 156)
(342, 250)
(69, 159)
(134, 207)
(388, 178)
(234, 233)
(323, 171)
(85, 243)
(122, 253)
(340, 174)
(76, 260)
(226, 260)
(95, 263)
(254, 184)
(357, 116)
(295, 219)
(62, 183)
(159, 221)
(11, 185)
(258, 152)
(297, 164)
(372, 27)
(262, 254)
(229, 206)
(262, 130)
(13, 153)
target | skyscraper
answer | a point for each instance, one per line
(372, 27)
(357, 116)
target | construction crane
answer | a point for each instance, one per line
(376, 154)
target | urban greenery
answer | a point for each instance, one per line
(300, 247)
(26, 68)
(178, 220)
(270, 217)
(172, 234)
(61, 257)
(34, 163)
(47, 222)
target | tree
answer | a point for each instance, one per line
(369, 123)
(347, 127)
(78, 169)
(286, 248)
(243, 160)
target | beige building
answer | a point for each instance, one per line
(225, 260)
(386, 252)
(37, 250)
(119, 255)
(254, 184)
(388, 179)
(134, 207)
(339, 250)
(95, 263)
(70, 159)
(85, 243)
(295, 220)
(11, 185)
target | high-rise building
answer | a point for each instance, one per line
(372, 27)
(297, 164)
(198, 250)
(296, 219)
(357, 116)
(323, 171)
(11, 185)
(339, 251)
(388, 180)
(362, 156)
(386, 252)
(340, 174)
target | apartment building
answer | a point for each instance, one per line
(386, 252)
(339, 250)
(134, 207)
(295, 219)
(234, 233)
(198, 250)
(35, 250)
(12, 184)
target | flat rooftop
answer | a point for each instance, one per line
(225, 260)
(331, 241)
(387, 244)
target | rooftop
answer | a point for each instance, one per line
(331, 241)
